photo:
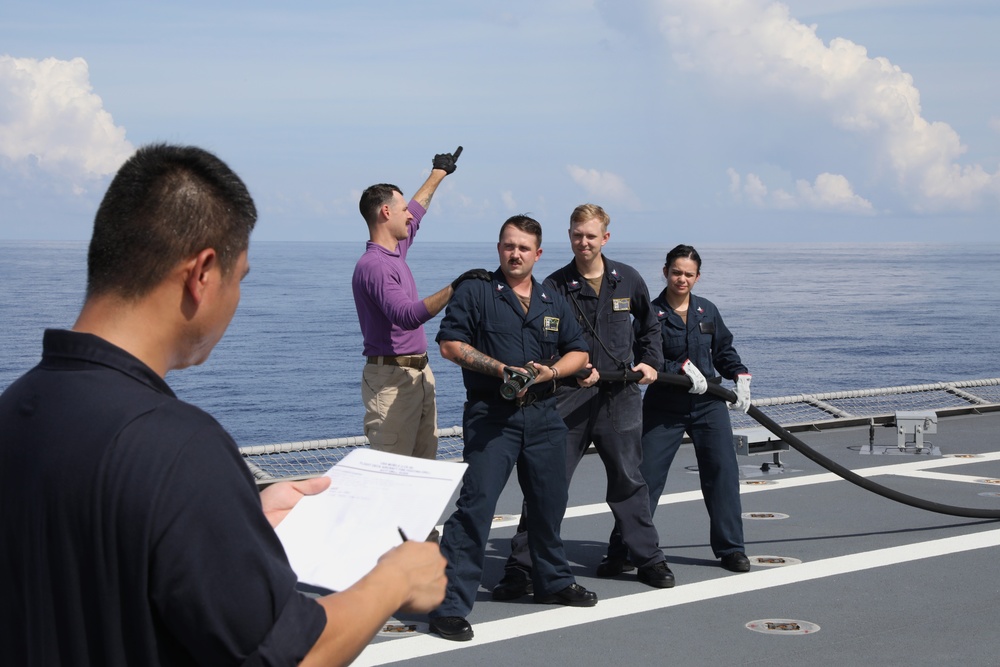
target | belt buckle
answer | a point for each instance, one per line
(526, 400)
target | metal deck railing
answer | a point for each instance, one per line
(295, 460)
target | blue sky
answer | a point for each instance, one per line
(710, 120)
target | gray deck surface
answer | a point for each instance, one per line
(886, 584)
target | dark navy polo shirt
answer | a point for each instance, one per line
(704, 339)
(489, 317)
(621, 315)
(131, 530)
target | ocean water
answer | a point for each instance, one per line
(806, 318)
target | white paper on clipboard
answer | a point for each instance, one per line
(335, 538)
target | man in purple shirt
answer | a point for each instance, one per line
(397, 384)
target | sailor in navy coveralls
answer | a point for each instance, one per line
(696, 342)
(611, 302)
(509, 322)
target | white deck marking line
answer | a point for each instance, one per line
(948, 477)
(924, 463)
(652, 600)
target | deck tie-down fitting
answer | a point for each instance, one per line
(756, 441)
(911, 426)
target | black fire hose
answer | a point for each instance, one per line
(720, 392)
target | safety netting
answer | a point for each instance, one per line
(296, 460)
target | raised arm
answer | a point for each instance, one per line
(444, 164)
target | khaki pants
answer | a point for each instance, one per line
(400, 411)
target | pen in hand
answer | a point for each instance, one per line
(403, 535)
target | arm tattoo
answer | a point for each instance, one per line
(426, 201)
(471, 358)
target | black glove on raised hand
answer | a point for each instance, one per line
(472, 274)
(446, 161)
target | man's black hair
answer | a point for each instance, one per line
(166, 204)
(526, 224)
(373, 198)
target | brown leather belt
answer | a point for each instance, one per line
(417, 361)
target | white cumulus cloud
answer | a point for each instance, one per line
(604, 186)
(755, 47)
(52, 121)
(829, 192)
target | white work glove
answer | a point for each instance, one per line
(699, 385)
(742, 390)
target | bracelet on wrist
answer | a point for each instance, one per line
(555, 372)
